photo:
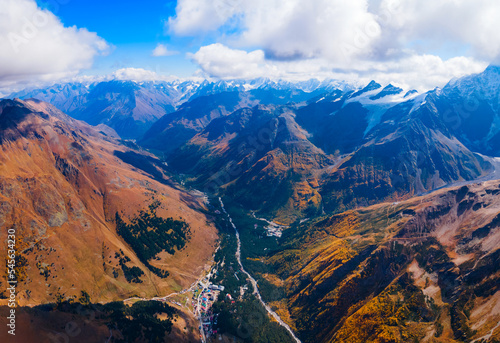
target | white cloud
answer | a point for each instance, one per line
(37, 46)
(461, 22)
(220, 61)
(421, 43)
(310, 29)
(162, 50)
(339, 29)
(421, 72)
(137, 74)
(284, 29)
(195, 17)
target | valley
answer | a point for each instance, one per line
(257, 211)
(365, 243)
(252, 280)
(188, 171)
(493, 175)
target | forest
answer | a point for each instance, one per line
(149, 234)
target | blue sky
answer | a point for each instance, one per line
(411, 43)
(128, 21)
(132, 28)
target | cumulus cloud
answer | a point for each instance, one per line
(37, 46)
(421, 72)
(418, 42)
(311, 29)
(195, 17)
(222, 62)
(459, 22)
(339, 29)
(162, 50)
(291, 29)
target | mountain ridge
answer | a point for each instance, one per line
(61, 188)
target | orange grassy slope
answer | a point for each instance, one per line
(423, 270)
(60, 188)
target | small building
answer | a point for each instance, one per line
(216, 288)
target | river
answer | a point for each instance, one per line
(253, 281)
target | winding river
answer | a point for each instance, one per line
(252, 280)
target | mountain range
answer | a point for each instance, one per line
(340, 149)
(386, 199)
(328, 146)
(130, 108)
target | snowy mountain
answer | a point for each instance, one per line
(470, 107)
(130, 108)
(126, 106)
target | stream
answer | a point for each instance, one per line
(253, 281)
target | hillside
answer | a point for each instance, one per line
(424, 270)
(261, 157)
(333, 153)
(62, 188)
(174, 130)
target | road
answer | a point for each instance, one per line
(193, 285)
(253, 281)
(198, 311)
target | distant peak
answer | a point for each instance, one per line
(410, 92)
(493, 69)
(370, 87)
(391, 86)
(373, 85)
(388, 90)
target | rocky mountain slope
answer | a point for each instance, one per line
(470, 107)
(260, 156)
(338, 151)
(173, 130)
(424, 270)
(64, 188)
(130, 107)
(410, 151)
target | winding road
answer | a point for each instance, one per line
(253, 281)
(163, 298)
